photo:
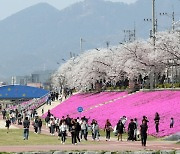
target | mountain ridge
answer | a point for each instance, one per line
(42, 34)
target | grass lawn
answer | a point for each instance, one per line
(125, 136)
(15, 137)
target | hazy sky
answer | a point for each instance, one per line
(9, 7)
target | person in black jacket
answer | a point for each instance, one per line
(143, 131)
(26, 124)
(77, 130)
(47, 119)
(156, 120)
(68, 122)
(8, 123)
(39, 125)
(145, 119)
(49, 113)
(120, 129)
(4, 114)
(131, 129)
(73, 132)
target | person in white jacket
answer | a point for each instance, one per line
(95, 130)
(62, 132)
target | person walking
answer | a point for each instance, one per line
(143, 132)
(131, 128)
(8, 123)
(49, 113)
(4, 114)
(47, 120)
(156, 120)
(77, 131)
(107, 129)
(95, 129)
(42, 111)
(68, 122)
(39, 125)
(136, 130)
(26, 124)
(35, 124)
(120, 129)
(52, 126)
(172, 123)
(62, 132)
(19, 118)
(84, 129)
(73, 132)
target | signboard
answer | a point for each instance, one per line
(80, 109)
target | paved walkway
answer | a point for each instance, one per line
(47, 107)
(2, 125)
(102, 145)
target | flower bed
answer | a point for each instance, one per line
(31, 104)
(166, 103)
(84, 100)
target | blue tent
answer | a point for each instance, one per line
(21, 92)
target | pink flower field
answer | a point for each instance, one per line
(105, 105)
(84, 100)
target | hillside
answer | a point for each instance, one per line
(113, 105)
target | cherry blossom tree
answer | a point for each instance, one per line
(109, 66)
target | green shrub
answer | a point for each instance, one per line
(177, 85)
(167, 85)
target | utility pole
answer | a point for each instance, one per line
(81, 44)
(71, 54)
(171, 16)
(134, 31)
(153, 22)
(107, 44)
(81, 40)
(155, 25)
(173, 21)
(154, 40)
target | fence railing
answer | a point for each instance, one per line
(31, 104)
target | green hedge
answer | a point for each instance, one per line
(168, 85)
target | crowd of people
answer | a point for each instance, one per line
(53, 96)
(79, 128)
